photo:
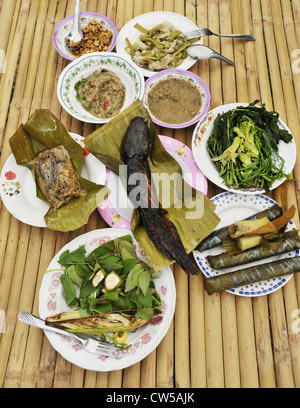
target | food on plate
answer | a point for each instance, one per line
(244, 147)
(96, 38)
(161, 47)
(189, 210)
(135, 150)
(290, 242)
(44, 146)
(216, 237)
(56, 176)
(247, 234)
(253, 274)
(112, 289)
(102, 93)
(174, 101)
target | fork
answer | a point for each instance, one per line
(205, 31)
(89, 344)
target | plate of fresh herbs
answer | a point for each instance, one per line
(244, 148)
(100, 284)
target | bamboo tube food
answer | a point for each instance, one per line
(216, 237)
(290, 242)
(253, 274)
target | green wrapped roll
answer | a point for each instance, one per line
(290, 242)
(226, 281)
(216, 237)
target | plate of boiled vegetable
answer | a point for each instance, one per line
(155, 41)
(255, 249)
(244, 148)
(101, 284)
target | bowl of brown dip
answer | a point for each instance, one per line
(176, 98)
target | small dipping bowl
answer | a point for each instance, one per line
(192, 79)
(65, 26)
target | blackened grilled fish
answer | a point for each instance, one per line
(135, 150)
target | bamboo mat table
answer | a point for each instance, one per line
(213, 342)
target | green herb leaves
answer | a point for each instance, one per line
(111, 278)
(244, 146)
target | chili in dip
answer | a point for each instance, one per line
(102, 93)
(174, 101)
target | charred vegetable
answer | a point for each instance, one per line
(251, 275)
(135, 151)
(112, 290)
(290, 242)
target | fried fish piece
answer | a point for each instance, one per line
(56, 176)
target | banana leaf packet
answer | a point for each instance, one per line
(105, 144)
(44, 131)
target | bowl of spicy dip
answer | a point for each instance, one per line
(176, 98)
(99, 35)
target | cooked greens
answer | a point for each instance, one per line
(162, 47)
(111, 279)
(244, 147)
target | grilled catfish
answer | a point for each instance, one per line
(56, 176)
(135, 150)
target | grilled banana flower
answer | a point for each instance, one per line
(95, 324)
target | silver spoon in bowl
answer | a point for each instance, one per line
(201, 52)
(75, 36)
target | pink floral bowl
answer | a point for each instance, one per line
(64, 27)
(191, 78)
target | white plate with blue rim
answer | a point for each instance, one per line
(232, 207)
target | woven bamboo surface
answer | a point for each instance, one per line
(213, 342)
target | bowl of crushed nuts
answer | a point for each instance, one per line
(99, 35)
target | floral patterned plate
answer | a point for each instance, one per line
(144, 340)
(63, 29)
(203, 131)
(116, 210)
(231, 207)
(85, 65)
(187, 76)
(18, 188)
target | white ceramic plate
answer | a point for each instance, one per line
(18, 188)
(187, 76)
(144, 340)
(63, 29)
(203, 131)
(83, 66)
(231, 207)
(116, 210)
(150, 20)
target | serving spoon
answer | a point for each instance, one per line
(75, 36)
(201, 52)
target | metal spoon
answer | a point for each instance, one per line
(201, 52)
(76, 35)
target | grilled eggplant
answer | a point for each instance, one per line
(95, 324)
(135, 150)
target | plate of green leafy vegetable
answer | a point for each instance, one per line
(100, 284)
(244, 148)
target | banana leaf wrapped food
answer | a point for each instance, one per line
(55, 159)
(192, 214)
(289, 242)
(226, 281)
(216, 237)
